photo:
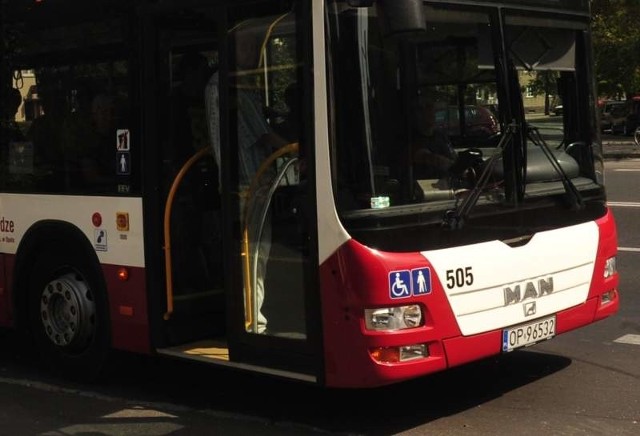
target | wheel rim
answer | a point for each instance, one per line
(67, 311)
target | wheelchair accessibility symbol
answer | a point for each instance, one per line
(399, 283)
(404, 283)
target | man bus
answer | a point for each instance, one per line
(123, 226)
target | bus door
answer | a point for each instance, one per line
(266, 176)
(187, 56)
(232, 153)
(268, 188)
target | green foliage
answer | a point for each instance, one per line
(616, 40)
(544, 83)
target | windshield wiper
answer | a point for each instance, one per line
(455, 218)
(575, 198)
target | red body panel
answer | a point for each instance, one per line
(7, 263)
(356, 277)
(128, 309)
(127, 301)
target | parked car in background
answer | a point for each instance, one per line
(612, 115)
(557, 109)
(633, 115)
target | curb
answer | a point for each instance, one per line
(617, 150)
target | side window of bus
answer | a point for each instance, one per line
(69, 119)
(10, 132)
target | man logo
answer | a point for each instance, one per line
(532, 290)
(529, 308)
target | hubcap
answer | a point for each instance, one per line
(67, 311)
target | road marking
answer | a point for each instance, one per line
(628, 249)
(627, 170)
(623, 204)
(629, 339)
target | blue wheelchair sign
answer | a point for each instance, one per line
(404, 283)
(400, 284)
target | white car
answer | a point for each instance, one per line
(557, 109)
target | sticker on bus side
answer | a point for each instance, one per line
(404, 283)
(100, 240)
(421, 281)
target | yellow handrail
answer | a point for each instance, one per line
(248, 193)
(167, 227)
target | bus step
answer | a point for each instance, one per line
(196, 316)
(205, 350)
(183, 328)
(191, 303)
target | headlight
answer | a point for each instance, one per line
(610, 267)
(394, 318)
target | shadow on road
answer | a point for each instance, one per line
(386, 410)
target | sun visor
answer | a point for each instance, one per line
(536, 49)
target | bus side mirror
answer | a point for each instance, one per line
(399, 16)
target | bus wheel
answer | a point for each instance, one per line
(68, 315)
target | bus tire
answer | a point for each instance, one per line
(68, 313)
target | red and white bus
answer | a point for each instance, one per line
(372, 245)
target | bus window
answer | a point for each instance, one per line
(549, 59)
(395, 93)
(75, 109)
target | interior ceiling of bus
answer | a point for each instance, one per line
(46, 12)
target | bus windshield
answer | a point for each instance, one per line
(434, 109)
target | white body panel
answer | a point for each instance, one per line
(567, 255)
(331, 233)
(112, 246)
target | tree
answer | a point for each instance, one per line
(616, 41)
(545, 83)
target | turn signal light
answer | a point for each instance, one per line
(399, 354)
(608, 297)
(123, 274)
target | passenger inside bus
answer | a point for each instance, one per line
(9, 128)
(45, 132)
(88, 137)
(188, 106)
(9, 131)
(256, 141)
(195, 228)
(432, 151)
(289, 127)
(97, 156)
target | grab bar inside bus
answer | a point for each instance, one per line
(167, 226)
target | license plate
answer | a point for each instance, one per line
(528, 334)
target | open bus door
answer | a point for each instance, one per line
(225, 233)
